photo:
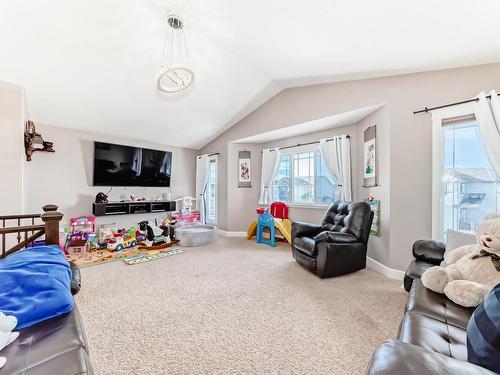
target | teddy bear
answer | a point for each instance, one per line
(7, 324)
(469, 272)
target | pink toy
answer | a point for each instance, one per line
(82, 224)
(187, 218)
(81, 237)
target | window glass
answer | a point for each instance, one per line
(470, 187)
(212, 191)
(281, 184)
(302, 178)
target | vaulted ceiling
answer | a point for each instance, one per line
(90, 64)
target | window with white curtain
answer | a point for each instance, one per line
(465, 186)
(302, 178)
(470, 186)
(212, 190)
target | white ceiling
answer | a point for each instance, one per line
(336, 121)
(90, 64)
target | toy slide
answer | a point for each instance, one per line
(284, 226)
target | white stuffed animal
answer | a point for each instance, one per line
(471, 271)
(7, 324)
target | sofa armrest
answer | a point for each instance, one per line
(397, 358)
(300, 229)
(429, 250)
(335, 237)
(76, 279)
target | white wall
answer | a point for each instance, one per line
(65, 177)
(12, 110)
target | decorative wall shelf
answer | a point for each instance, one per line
(32, 138)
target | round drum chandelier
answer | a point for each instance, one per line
(175, 73)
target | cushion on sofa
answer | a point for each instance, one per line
(399, 358)
(434, 335)
(54, 346)
(483, 333)
(437, 306)
(457, 238)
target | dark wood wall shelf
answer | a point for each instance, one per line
(132, 207)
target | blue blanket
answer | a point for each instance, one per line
(35, 285)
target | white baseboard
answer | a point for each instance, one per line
(384, 270)
(226, 233)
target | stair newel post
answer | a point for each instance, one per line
(51, 218)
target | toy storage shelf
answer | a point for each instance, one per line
(127, 208)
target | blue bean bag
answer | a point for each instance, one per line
(35, 285)
(483, 333)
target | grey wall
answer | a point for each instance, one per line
(65, 177)
(377, 246)
(242, 202)
(410, 135)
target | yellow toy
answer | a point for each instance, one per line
(279, 211)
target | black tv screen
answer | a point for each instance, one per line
(117, 165)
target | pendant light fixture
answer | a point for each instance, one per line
(175, 73)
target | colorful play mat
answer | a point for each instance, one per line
(132, 255)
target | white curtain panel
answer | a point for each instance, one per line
(336, 154)
(270, 164)
(487, 113)
(201, 186)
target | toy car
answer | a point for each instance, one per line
(118, 243)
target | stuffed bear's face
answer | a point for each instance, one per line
(490, 243)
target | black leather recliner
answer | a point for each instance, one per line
(337, 246)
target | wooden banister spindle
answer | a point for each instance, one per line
(3, 240)
(51, 218)
(18, 233)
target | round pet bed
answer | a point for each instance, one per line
(196, 235)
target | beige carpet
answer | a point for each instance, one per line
(234, 308)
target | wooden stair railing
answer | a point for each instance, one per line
(50, 228)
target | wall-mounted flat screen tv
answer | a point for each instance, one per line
(117, 165)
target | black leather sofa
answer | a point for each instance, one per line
(56, 346)
(427, 253)
(337, 246)
(432, 334)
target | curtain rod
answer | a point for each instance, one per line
(450, 105)
(213, 154)
(304, 144)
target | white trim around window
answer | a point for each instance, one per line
(438, 116)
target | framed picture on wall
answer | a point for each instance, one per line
(244, 169)
(370, 157)
(375, 207)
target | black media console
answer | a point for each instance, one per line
(132, 207)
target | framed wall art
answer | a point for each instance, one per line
(244, 169)
(375, 207)
(370, 165)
